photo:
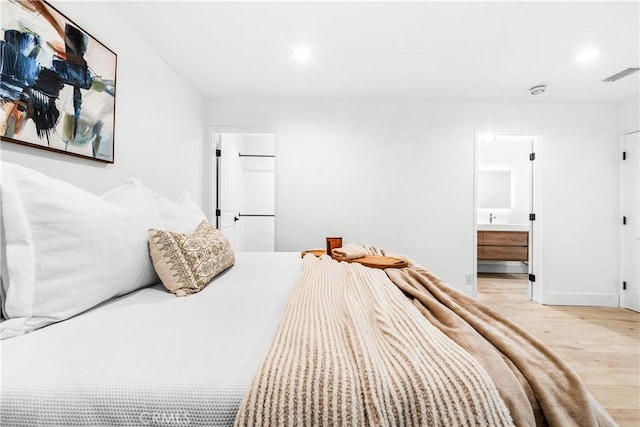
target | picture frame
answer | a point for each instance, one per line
(57, 83)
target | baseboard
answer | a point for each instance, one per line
(632, 301)
(468, 290)
(502, 267)
(581, 299)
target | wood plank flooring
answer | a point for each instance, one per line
(601, 344)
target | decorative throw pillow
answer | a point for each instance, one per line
(186, 263)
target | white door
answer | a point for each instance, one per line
(630, 197)
(534, 290)
(228, 212)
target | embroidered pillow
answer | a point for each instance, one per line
(186, 263)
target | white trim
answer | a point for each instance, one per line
(622, 294)
(634, 303)
(209, 185)
(580, 299)
(537, 231)
(474, 283)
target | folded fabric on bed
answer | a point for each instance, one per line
(350, 251)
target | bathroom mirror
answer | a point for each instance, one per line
(494, 189)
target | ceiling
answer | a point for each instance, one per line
(479, 50)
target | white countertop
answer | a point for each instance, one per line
(504, 227)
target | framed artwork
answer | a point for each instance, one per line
(57, 83)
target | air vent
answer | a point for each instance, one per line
(621, 74)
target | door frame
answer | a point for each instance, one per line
(622, 294)
(535, 238)
(211, 172)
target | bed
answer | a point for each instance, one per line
(150, 356)
(275, 339)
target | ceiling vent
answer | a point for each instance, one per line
(621, 74)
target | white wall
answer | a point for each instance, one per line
(399, 175)
(159, 118)
(628, 114)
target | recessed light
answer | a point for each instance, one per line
(537, 90)
(588, 54)
(301, 54)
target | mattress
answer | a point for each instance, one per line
(149, 358)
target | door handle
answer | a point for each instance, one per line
(235, 218)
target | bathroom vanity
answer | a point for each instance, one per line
(503, 245)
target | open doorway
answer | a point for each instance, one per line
(245, 189)
(505, 211)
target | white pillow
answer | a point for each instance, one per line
(68, 250)
(3, 262)
(180, 216)
(185, 200)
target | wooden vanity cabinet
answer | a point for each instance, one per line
(497, 245)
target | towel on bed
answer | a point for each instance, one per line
(351, 251)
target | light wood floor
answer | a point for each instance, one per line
(601, 344)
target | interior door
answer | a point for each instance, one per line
(228, 213)
(630, 197)
(534, 291)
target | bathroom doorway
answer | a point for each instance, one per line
(505, 212)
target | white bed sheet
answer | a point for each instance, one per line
(150, 358)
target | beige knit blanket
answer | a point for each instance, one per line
(351, 350)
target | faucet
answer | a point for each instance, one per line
(491, 218)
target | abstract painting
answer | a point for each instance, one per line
(57, 83)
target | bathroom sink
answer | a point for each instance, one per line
(504, 227)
